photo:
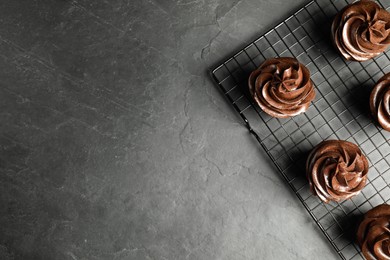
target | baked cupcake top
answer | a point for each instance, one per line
(336, 170)
(282, 87)
(373, 235)
(361, 30)
(380, 102)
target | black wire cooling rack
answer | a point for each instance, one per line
(340, 111)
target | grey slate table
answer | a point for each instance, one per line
(115, 143)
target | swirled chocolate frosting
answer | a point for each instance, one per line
(282, 87)
(380, 102)
(361, 30)
(336, 170)
(373, 235)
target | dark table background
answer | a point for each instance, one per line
(116, 144)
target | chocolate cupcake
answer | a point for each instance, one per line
(282, 87)
(380, 102)
(373, 235)
(336, 170)
(361, 30)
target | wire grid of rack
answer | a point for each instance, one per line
(340, 111)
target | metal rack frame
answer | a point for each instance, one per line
(340, 111)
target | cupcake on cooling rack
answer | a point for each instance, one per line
(380, 102)
(282, 87)
(336, 170)
(373, 235)
(361, 30)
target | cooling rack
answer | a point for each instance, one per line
(340, 111)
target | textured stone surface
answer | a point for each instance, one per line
(115, 144)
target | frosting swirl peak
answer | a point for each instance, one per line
(336, 170)
(373, 235)
(282, 87)
(361, 30)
